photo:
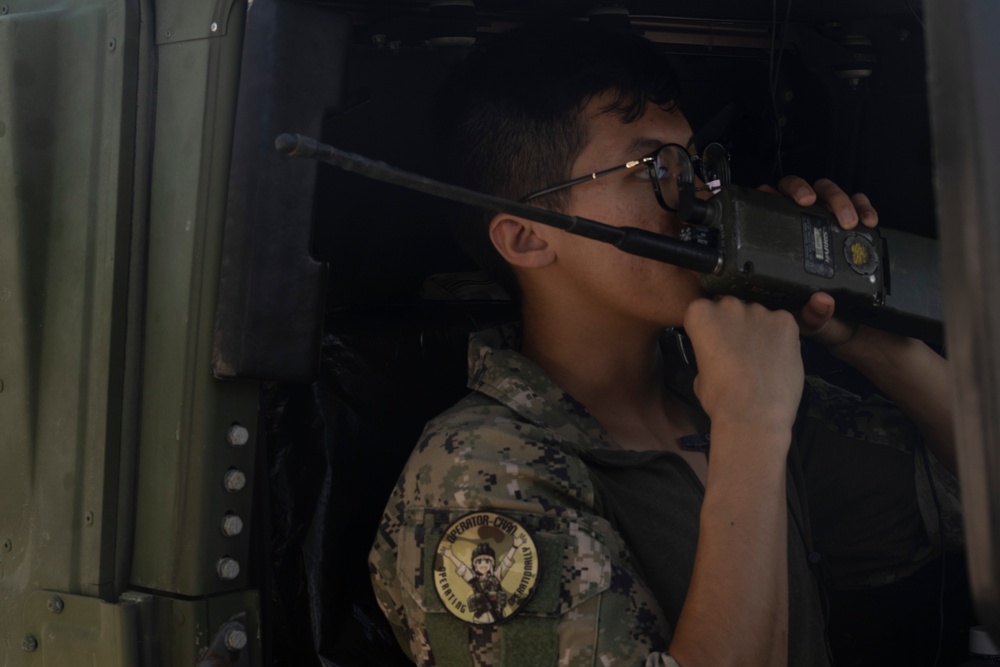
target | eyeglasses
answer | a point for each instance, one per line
(669, 168)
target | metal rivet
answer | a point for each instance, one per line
(88, 518)
(234, 480)
(29, 643)
(167, 34)
(232, 525)
(215, 26)
(238, 435)
(56, 604)
(112, 44)
(236, 640)
(227, 568)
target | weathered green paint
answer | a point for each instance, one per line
(141, 629)
(177, 632)
(68, 78)
(114, 159)
(79, 630)
(186, 412)
(182, 20)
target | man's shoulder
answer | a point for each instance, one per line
(472, 411)
(480, 452)
(831, 411)
(485, 425)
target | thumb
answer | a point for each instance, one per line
(817, 312)
(816, 321)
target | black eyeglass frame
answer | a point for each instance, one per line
(689, 166)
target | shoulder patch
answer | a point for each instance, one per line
(486, 568)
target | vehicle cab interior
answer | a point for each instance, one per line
(216, 357)
(349, 298)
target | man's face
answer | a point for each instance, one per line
(637, 288)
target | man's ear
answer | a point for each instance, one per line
(521, 242)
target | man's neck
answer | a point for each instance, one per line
(610, 369)
(617, 373)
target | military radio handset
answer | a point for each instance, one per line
(778, 253)
(747, 243)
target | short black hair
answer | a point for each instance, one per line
(509, 116)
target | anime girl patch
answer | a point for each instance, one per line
(486, 568)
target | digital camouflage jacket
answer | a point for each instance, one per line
(614, 531)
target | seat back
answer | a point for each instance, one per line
(335, 448)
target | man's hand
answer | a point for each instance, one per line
(849, 209)
(816, 318)
(749, 364)
(904, 369)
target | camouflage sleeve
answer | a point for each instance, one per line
(588, 605)
(880, 504)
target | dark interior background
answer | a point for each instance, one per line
(841, 83)
(849, 96)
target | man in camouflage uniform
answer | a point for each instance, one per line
(589, 428)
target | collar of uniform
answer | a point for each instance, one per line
(679, 364)
(498, 370)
